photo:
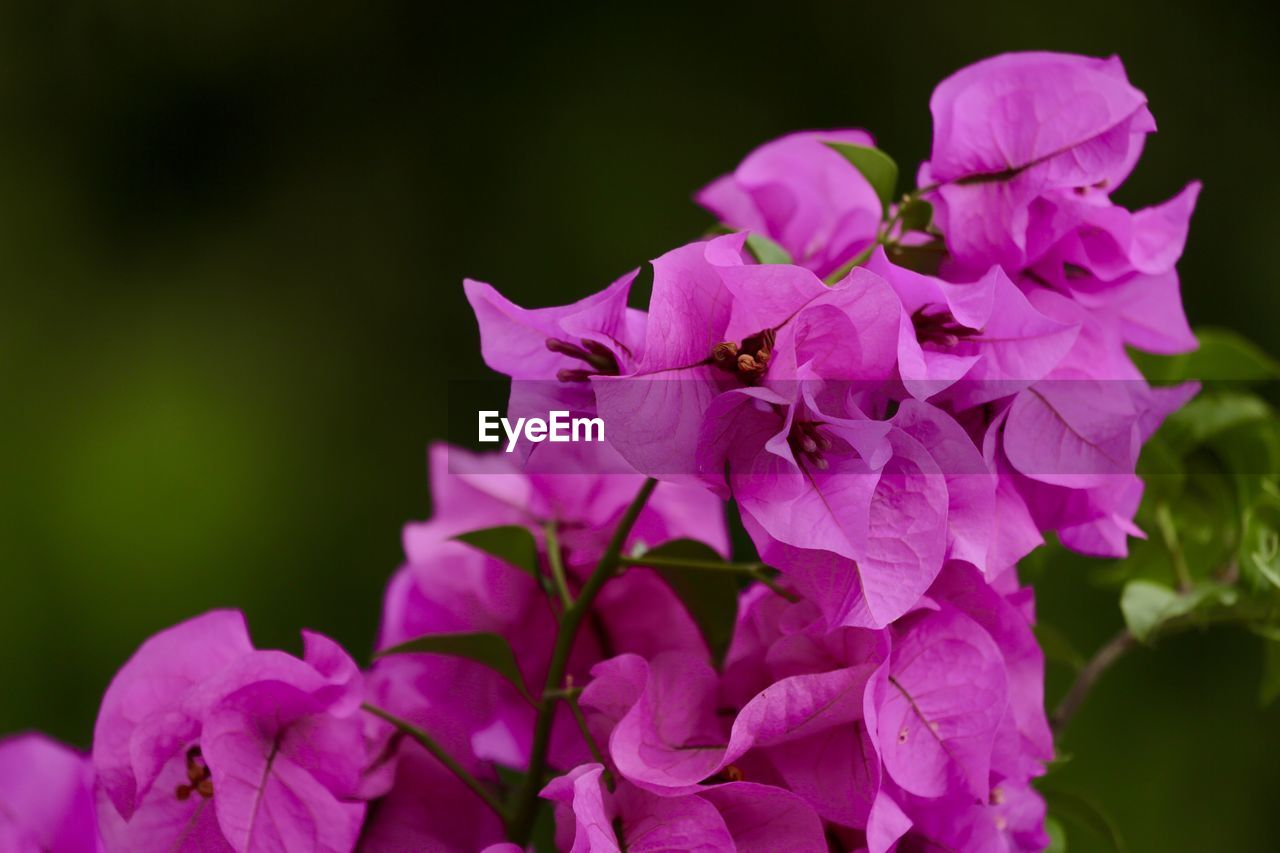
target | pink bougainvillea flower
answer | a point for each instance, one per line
(1076, 237)
(584, 492)
(734, 816)
(448, 586)
(982, 340)
(46, 797)
(940, 704)
(1011, 820)
(597, 334)
(1070, 443)
(718, 324)
(204, 741)
(429, 808)
(550, 353)
(1011, 128)
(803, 195)
(1075, 492)
(667, 732)
(868, 727)
(1119, 265)
(853, 510)
(1023, 742)
(653, 415)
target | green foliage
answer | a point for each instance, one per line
(1260, 545)
(1057, 836)
(1148, 605)
(924, 258)
(1212, 502)
(876, 166)
(510, 543)
(482, 647)
(916, 214)
(1222, 355)
(709, 594)
(766, 251)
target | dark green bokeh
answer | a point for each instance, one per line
(231, 241)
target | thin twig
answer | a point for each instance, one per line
(1169, 535)
(526, 809)
(656, 562)
(1102, 660)
(442, 755)
(556, 559)
(597, 754)
(856, 261)
(755, 571)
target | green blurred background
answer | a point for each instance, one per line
(231, 241)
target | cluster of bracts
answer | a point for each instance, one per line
(899, 395)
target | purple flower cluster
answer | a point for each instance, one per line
(930, 729)
(480, 717)
(896, 439)
(900, 405)
(873, 427)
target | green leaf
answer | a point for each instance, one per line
(1208, 516)
(1270, 687)
(1057, 836)
(1208, 416)
(710, 595)
(1147, 605)
(876, 166)
(510, 543)
(1250, 452)
(1260, 544)
(916, 215)
(766, 251)
(481, 647)
(1222, 355)
(1083, 812)
(925, 258)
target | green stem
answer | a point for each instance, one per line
(656, 562)
(856, 261)
(1169, 533)
(755, 571)
(571, 699)
(526, 809)
(556, 558)
(1123, 641)
(1088, 676)
(882, 236)
(482, 791)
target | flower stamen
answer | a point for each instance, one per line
(808, 443)
(599, 358)
(198, 774)
(940, 328)
(748, 360)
